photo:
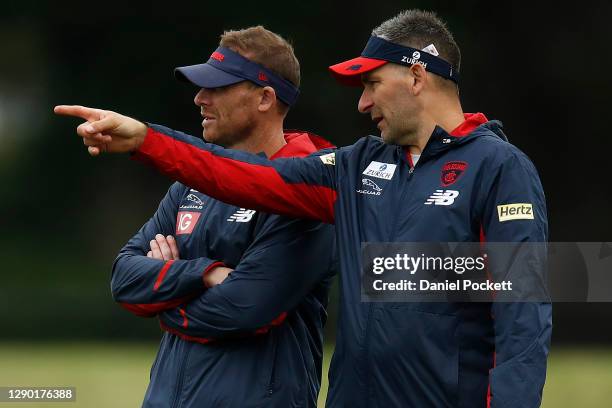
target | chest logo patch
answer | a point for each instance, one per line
(194, 198)
(242, 215)
(442, 197)
(369, 187)
(380, 170)
(186, 222)
(451, 172)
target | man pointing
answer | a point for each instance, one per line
(437, 175)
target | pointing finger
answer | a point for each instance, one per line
(79, 111)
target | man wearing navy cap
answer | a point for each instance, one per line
(241, 307)
(437, 175)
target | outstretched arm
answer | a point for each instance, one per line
(304, 188)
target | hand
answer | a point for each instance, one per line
(216, 275)
(105, 131)
(163, 248)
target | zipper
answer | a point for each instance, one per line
(176, 402)
(271, 382)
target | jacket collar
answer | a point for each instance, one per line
(475, 125)
(301, 144)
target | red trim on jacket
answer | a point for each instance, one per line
(409, 158)
(483, 239)
(185, 321)
(201, 340)
(471, 122)
(489, 394)
(162, 274)
(276, 322)
(151, 309)
(158, 144)
(204, 340)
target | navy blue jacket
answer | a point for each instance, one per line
(254, 340)
(402, 354)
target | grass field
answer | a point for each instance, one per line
(116, 374)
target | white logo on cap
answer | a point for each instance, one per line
(416, 55)
(431, 49)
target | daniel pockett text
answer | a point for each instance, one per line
(437, 272)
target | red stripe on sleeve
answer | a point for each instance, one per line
(151, 309)
(489, 395)
(201, 340)
(239, 183)
(483, 240)
(276, 322)
(185, 322)
(162, 274)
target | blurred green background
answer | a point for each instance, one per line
(540, 67)
(116, 374)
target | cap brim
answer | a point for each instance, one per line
(205, 76)
(349, 72)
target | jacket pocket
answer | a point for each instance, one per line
(414, 358)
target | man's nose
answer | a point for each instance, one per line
(201, 98)
(365, 102)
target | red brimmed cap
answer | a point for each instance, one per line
(349, 72)
(379, 51)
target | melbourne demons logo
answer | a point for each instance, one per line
(186, 222)
(451, 172)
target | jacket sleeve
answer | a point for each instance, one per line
(146, 286)
(297, 187)
(522, 329)
(287, 258)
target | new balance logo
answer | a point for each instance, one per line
(442, 197)
(242, 215)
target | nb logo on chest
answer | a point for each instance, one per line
(442, 197)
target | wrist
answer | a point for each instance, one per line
(208, 274)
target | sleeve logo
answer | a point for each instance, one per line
(186, 221)
(518, 211)
(329, 158)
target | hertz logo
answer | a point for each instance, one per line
(519, 211)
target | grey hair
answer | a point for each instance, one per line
(418, 29)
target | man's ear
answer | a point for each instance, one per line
(267, 99)
(418, 79)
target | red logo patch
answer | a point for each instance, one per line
(262, 76)
(218, 56)
(186, 222)
(451, 172)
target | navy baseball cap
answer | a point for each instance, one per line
(226, 67)
(379, 52)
